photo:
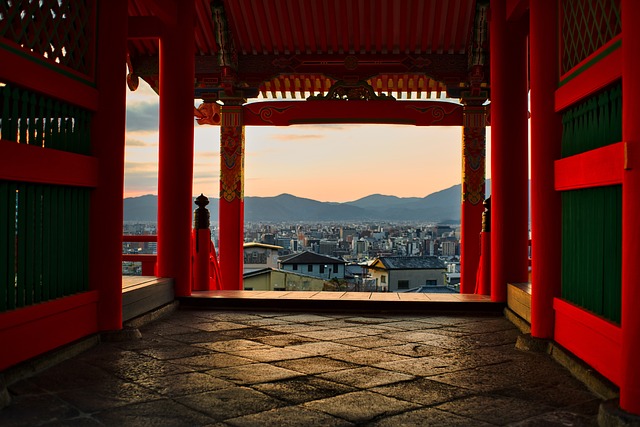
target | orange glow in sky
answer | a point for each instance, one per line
(336, 163)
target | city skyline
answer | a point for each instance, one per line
(329, 163)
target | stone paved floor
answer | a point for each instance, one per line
(212, 368)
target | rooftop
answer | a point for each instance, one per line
(309, 258)
(411, 262)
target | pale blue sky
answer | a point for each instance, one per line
(335, 163)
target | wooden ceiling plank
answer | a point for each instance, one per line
(441, 28)
(237, 26)
(427, 36)
(386, 26)
(439, 17)
(301, 25)
(369, 29)
(349, 27)
(274, 29)
(376, 27)
(250, 27)
(317, 8)
(353, 39)
(397, 39)
(308, 28)
(453, 19)
(317, 32)
(417, 27)
(262, 28)
(332, 33)
(296, 27)
(281, 14)
(405, 27)
(464, 28)
(203, 12)
(200, 42)
(358, 44)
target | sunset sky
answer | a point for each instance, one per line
(336, 163)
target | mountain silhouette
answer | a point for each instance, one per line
(441, 206)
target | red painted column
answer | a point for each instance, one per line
(546, 139)
(509, 177)
(231, 235)
(175, 163)
(107, 145)
(473, 190)
(630, 386)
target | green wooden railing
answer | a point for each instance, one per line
(43, 243)
(592, 217)
(43, 227)
(28, 118)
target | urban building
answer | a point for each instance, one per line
(401, 273)
(260, 255)
(313, 264)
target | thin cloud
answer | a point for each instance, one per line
(142, 116)
(131, 142)
(211, 154)
(295, 137)
(331, 127)
(140, 177)
(140, 167)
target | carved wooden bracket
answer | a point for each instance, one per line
(207, 113)
(359, 91)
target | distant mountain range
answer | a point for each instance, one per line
(441, 206)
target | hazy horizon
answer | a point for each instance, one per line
(330, 163)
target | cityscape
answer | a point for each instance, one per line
(339, 256)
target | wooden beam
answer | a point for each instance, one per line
(254, 69)
(591, 75)
(27, 69)
(39, 328)
(595, 168)
(591, 338)
(417, 113)
(30, 163)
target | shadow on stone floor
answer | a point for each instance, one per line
(212, 368)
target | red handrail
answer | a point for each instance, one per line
(148, 261)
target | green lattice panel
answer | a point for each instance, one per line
(587, 25)
(60, 30)
(33, 119)
(43, 243)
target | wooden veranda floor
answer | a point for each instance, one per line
(342, 301)
(145, 293)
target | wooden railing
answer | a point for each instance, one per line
(148, 261)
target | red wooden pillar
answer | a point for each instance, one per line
(473, 191)
(546, 138)
(509, 177)
(630, 372)
(107, 145)
(175, 163)
(231, 237)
